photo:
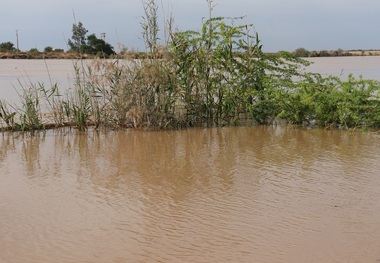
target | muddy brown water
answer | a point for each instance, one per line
(239, 194)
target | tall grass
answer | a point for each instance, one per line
(218, 75)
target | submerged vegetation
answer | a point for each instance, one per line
(216, 76)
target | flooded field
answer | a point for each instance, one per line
(245, 194)
(367, 66)
(18, 73)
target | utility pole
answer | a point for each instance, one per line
(103, 36)
(17, 41)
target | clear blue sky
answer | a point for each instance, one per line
(281, 24)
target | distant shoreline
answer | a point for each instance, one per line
(346, 53)
(336, 53)
(45, 55)
(139, 55)
(365, 52)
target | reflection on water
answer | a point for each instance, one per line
(246, 194)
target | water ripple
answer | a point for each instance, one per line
(242, 194)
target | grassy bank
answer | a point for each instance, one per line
(215, 76)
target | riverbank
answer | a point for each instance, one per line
(141, 55)
(44, 55)
(343, 53)
(365, 53)
(71, 55)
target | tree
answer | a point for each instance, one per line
(81, 43)
(7, 47)
(34, 51)
(301, 52)
(98, 46)
(78, 37)
(48, 49)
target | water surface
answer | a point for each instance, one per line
(16, 74)
(245, 194)
(366, 66)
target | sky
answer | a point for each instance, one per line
(281, 24)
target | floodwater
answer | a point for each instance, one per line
(19, 74)
(239, 194)
(367, 66)
(16, 74)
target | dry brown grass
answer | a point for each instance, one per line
(365, 52)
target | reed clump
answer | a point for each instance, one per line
(216, 76)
